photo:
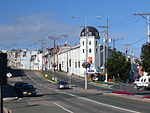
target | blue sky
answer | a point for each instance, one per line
(24, 22)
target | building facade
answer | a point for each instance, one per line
(66, 58)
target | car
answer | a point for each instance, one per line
(63, 85)
(98, 78)
(27, 90)
(142, 83)
(18, 85)
(24, 89)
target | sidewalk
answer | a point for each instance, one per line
(5, 110)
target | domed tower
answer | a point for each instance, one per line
(89, 47)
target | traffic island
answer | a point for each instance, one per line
(123, 92)
(147, 97)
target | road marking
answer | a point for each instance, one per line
(101, 103)
(63, 107)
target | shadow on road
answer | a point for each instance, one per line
(8, 91)
(17, 73)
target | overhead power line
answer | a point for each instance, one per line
(129, 20)
(125, 22)
(133, 43)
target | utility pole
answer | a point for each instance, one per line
(42, 47)
(55, 51)
(86, 59)
(146, 16)
(105, 50)
(3, 77)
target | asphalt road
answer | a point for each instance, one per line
(76, 100)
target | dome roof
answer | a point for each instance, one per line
(91, 31)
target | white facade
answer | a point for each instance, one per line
(88, 51)
(69, 60)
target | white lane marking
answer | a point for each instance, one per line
(63, 107)
(101, 103)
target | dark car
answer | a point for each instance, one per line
(27, 90)
(18, 85)
(63, 85)
(24, 89)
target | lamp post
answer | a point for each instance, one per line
(55, 51)
(85, 64)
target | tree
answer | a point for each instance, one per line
(118, 66)
(145, 57)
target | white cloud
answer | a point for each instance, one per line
(30, 28)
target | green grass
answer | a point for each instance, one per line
(48, 77)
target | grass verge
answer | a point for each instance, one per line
(47, 75)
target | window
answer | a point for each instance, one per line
(62, 64)
(144, 80)
(96, 43)
(96, 50)
(78, 63)
(90, 33)
(83, 50)
(24, 54)
(96, 34)
(90, 50)
(83, 34)
(89, 42)
(75, 64)
(70, 62)
(83, 43)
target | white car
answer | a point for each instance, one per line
(63, 85)
(142, 83)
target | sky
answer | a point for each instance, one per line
(23, 23)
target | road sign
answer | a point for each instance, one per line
(9, 75)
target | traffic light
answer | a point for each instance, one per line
(3, 68)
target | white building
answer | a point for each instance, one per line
(72, 58)
(25, 59)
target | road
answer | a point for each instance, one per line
(76, 100)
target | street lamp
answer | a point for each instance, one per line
(85, 63)
(55, 50)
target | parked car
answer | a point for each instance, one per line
(63, 85)
(98, 78)
(142, 83)
(24, 89)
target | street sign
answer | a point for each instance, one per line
(9, 75)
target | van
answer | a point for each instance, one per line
(142, 83)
